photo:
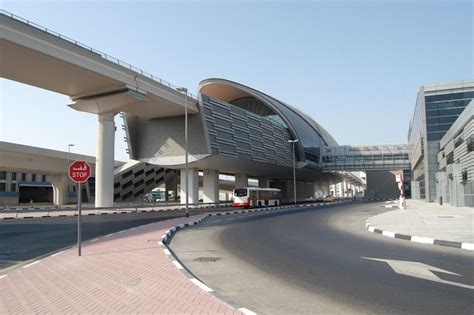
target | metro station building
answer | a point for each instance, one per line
(441, 129)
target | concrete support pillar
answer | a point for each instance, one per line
(171, 185)
(104, 166)
(241, 180)
(326, 190)
(193, 185)
(59, 182)
(264, 182)
(210, 186)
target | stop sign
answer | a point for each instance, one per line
(79, 171)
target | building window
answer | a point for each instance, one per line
(450, 158)
(43, 178)
(458, 141)
(13, 176)
(23, 176)
(464, 176)
(2, 186)
(470, 144)
(13, 187)
(33, 177)
(3, 175)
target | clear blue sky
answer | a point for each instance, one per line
(354, 66)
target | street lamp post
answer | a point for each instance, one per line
(294, 169)
(69, 152)
(185, 91)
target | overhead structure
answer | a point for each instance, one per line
(96, 83)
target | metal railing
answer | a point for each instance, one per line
(92, 50)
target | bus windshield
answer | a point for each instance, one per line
(240, 192)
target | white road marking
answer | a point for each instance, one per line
(246, 311)
(3, 276)
(420, 270)
(371, 228)
(177, 264)
(31, 264)
(167, 252)
(201, 285)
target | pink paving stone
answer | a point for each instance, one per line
(119, 274)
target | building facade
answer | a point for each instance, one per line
(455, 180)
(436, 110)
(239, 131)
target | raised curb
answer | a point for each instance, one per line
(51, 213)
(172, 231)
(418, 239)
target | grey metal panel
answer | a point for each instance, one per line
(245, 135)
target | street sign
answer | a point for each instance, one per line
(79, 171)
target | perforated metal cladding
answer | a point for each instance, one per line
(238, 133)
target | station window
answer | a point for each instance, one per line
(43, 178)
(13, 187)
(2, 186)
(33, 177)
(3, 175)
(13, 176)
(23, 176)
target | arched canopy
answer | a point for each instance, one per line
(310, 134)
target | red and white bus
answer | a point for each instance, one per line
(256, 197)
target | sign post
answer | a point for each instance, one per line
(79, 172)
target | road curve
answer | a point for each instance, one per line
(318, 261)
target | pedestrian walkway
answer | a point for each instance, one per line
(124, 272)
(430, 221)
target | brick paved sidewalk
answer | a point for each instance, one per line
(127, 272)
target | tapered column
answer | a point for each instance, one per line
(193, 185)
(241, 180)
(210, 186)
(59, 182)
(171, 185)
(104, 171)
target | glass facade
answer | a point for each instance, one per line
(255, 106)
(442, 111)
(307, 136)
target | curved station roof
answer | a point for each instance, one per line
(309, 133)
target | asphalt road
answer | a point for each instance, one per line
(318, 262)
(24, 239)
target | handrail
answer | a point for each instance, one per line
(95, 51)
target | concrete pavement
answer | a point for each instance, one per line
(123, 272)
(428, 223)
